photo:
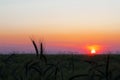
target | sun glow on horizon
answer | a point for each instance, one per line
(93, 49)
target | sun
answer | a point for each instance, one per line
(93, 51)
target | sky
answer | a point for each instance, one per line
(62, 25)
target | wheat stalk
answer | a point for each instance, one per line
(107, 67)
(35, 46)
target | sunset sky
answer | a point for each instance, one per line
(63, 25)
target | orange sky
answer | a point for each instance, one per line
(62, 25)
(68, 41)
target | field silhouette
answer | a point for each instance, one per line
(59, 67)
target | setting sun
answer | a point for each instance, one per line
(93, 51)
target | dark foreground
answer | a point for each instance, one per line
(59, 67)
